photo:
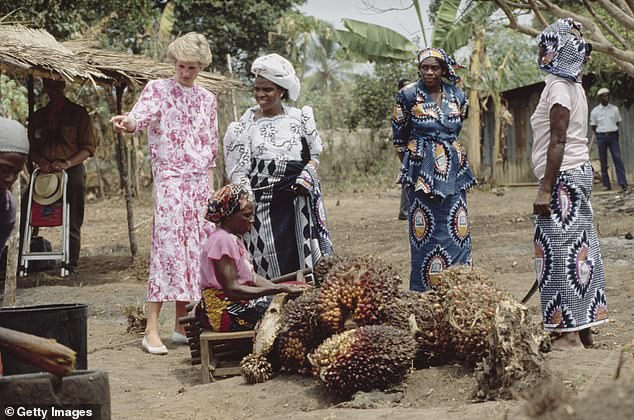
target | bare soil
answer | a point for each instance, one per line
(169, 387)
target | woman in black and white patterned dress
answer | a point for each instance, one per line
(567, 256)
(275, 149)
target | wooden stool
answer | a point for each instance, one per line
(221, 352)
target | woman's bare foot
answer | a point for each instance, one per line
(568, 341)
(586, 337)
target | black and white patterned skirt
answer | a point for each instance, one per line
(568, 261)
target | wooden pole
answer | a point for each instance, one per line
(123, 174)
(233, 100)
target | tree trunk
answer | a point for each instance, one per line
(102, 193)
(474, 147)
(497, 160)
(125, 181)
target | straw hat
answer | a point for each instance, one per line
(603, 91)
(47, 188)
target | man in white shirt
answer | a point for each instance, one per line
(604, 120)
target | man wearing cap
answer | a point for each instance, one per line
(604, 120)
(62, 138)
(14, 150)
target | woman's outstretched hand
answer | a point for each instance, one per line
(123, 124)
(294, 289)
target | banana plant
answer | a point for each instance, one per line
(455, 27)
(364, 41)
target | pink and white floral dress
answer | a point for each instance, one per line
(183, 141)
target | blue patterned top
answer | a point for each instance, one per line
(426, 133)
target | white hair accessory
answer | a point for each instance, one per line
(278, 70)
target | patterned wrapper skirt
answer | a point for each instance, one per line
(439, 236)
(217, 312)
(567, 257)
(280, 240)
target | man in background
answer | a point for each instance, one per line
(62, 138)
(604, 120)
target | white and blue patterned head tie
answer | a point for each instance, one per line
(565, 49)
(450, 73)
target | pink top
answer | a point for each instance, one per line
(181, 126)
(571, 96)
(220, 243)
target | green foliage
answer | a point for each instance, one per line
(366, 41)
(118, 22)
(609, 75)
(516, 57)
(13, 99)
(432, 11)
(239, 28)
(298, 36)
(453, 31)
(445, 19)
(373, 95)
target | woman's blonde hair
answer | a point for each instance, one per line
(191, 47)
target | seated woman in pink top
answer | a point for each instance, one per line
(234, 298)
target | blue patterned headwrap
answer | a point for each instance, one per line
(440, 54)
(566, 50)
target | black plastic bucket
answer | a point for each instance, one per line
(66, 323)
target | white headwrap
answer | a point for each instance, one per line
(278, 70)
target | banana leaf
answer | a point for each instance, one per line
(360, 48)
(458, 34)
(445, 19)
(380, 35)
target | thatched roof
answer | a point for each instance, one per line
(136, 70)
(36, 52)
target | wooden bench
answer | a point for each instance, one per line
(219, 353)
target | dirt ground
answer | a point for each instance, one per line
(168, 387)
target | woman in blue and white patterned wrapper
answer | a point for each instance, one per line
(274, 148)
(568, 262)
(427, 120)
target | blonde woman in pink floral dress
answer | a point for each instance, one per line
(180, 117)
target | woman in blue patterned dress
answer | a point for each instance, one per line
(427, 120)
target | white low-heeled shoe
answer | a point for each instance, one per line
(178, 338)
(160, 350)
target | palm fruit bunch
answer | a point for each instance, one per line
(470, 302)
(300, 332)
(514, 362)
(255, 369)
(359, 289)
(363, 359)
(323, 267)
(424, 316)
(460, 274)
